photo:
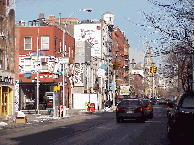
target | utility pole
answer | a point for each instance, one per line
(38, 72)
(114, 89)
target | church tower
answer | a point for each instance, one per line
(148, 79)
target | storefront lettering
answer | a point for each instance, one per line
(6, 79)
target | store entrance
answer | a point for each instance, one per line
(4, 104)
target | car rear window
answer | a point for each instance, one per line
(188, 102)
(146, 103)
(129, 102)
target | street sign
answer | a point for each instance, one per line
(63, 60)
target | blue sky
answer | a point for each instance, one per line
(29, 10)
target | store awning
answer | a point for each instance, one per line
(27, 75)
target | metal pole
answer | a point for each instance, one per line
(114, 89)
(63, 64)
(108, 81)
(54, 106)
(152, 85)
(37, 72)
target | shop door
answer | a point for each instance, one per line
(4, 104)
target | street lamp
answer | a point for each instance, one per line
(64, 32)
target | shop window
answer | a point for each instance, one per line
(28, 43)
(44, 42)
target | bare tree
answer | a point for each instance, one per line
(175, 24)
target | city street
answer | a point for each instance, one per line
(95, 128)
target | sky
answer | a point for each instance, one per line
(122, 9)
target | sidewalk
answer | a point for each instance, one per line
(43, 116)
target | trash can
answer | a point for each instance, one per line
(92, 106)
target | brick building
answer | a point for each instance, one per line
(49, 40)
(120, 51)
(7, 61)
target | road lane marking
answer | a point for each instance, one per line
(154, 121)
(104, 128)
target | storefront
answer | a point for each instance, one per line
(28, 95)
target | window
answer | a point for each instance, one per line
(60, 45)
(44, 42)
(72, 51)
(55, 43)
(69, 51)
(1, 59)
(44, 62)
(27, 65)
(188, 102)
(129, 102)
(65, 49)
(28, 43)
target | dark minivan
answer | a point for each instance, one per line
(131, 109)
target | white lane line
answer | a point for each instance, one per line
(103, 128)
(154, 121)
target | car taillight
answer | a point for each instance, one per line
(139, 109)
(147, 107)
(158, 101)
(117, 109)
(168, 107)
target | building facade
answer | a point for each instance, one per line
(120, 52)
(7, 59)
(40, 47)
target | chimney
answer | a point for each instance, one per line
(59, 18)
(41, 15)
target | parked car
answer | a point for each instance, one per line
(162, 101)
(149, 107)
(181, 118)
(131, 109)
(153, 100)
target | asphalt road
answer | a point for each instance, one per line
(98, 128)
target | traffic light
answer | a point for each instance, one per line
(114, 65)
(151, 69)
(154, 69)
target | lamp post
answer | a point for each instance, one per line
(64, 51)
